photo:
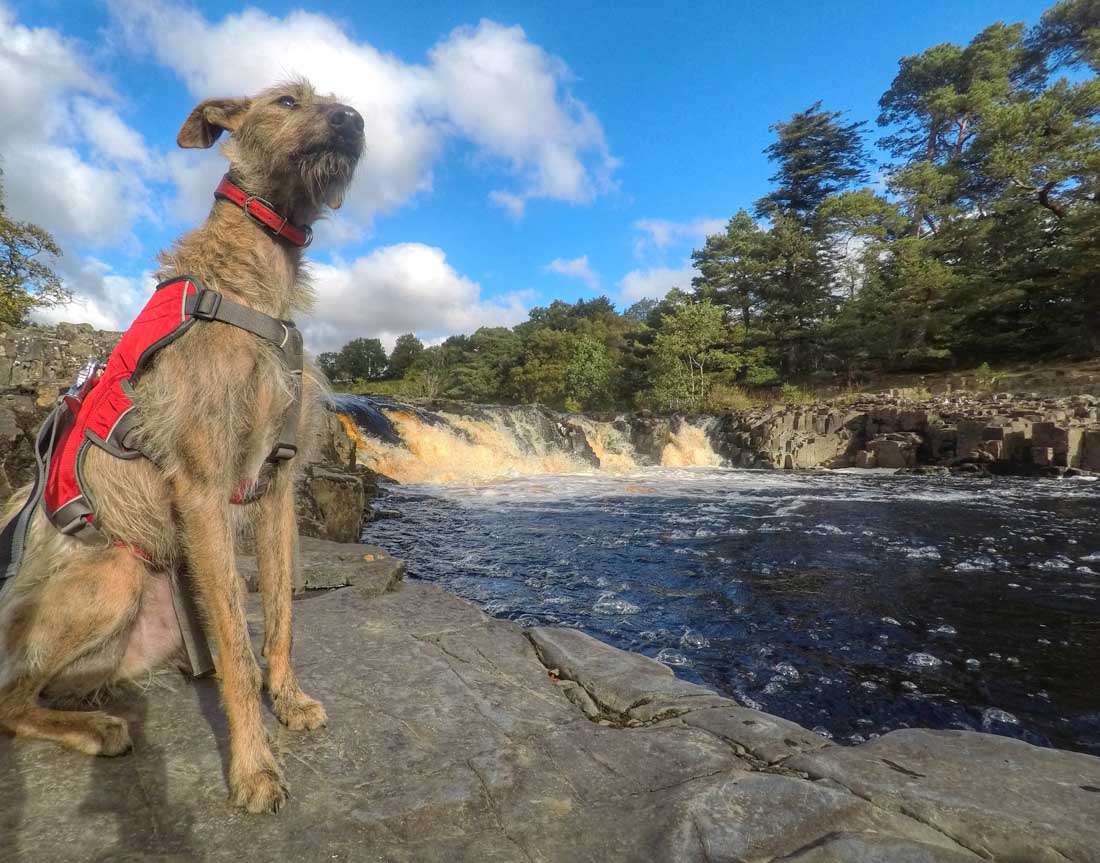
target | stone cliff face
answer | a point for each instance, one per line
(36, 363)
(1006, 433)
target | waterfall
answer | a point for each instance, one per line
(691, 446)
(463, 443)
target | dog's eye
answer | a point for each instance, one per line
(286, 101)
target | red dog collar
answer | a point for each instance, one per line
(261, 212)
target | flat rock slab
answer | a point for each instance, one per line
(452, 740)
(328, 565)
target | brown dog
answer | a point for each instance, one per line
(78, 617)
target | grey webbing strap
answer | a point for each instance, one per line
(208, 305)
(14, 536)
(286, 446)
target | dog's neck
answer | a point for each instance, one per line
(232, 254)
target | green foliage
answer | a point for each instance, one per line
(405, 352)
(360, 359)
(26, 281)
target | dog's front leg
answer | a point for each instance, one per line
(254, 778)
(277, 559)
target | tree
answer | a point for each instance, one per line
(405, 351)
(1069, 34)
(480, 369)
(818, 155)
(26, 281)
(588, 375)
(361, 359)
(693, 346)
(326, 362)
(731, 267)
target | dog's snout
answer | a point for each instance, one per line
(345, 120)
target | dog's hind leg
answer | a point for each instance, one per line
(69, 629)
(277, 557)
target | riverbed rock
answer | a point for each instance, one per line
(450, 739)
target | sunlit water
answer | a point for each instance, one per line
(852, 603)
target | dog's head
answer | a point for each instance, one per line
(288, 144)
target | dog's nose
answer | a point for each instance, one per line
(345, 120)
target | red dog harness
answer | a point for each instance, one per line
(99, 410)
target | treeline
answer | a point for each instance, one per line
(975, 239)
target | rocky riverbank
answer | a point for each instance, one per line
(1001, 432)
(454, 736)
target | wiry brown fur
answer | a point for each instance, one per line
(77, 617)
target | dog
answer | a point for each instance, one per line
(79, 617)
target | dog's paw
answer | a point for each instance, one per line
(260, 791)
(102, 734)
(299, 712)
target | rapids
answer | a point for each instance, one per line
(853, 602)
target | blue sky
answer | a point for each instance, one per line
(601, 144)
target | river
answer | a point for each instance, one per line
(852, 602)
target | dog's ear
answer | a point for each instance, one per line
(207, 121)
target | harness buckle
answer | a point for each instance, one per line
(206, 305)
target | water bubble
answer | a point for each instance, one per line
(869, 685)
(925, 552)
(945, 629)
(609, 603)
(668, 656)
(973, 664)
(694, 640)
(892, 621)
(923, 660)
(909, 684)
(822, 731)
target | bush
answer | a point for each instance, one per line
(729, 398)
(792, 394)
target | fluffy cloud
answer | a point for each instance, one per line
(487, 85)
(397, 289)
(102, 298)
(655, 283)
(661, 233)
(575, 268)
(68, 157)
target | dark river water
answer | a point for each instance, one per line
(852, 603)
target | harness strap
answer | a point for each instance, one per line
(208, 305)
(13, 539)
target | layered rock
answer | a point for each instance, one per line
(1010, 433)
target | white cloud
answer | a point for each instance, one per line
(51, 106)
(102, 298)
(575, 268)
(662, 233)
(397, 289)
(510, 98)
(655, 283)
(487, 85)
